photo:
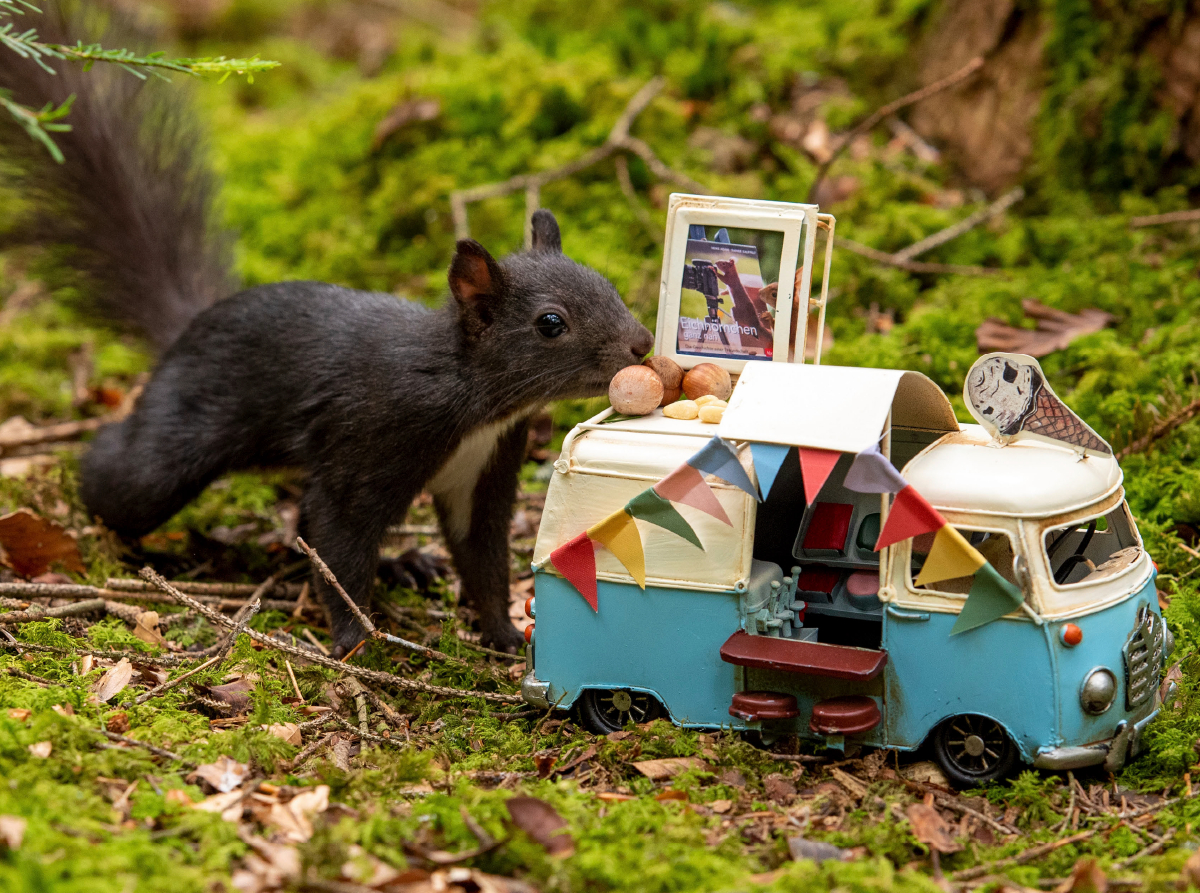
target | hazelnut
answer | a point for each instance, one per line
(671, 374)
(707, 378)
(635, 390)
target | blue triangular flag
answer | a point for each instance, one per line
(768, 458)
(718, 457)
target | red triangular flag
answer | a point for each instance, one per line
(911, 515)
(576, 561)
(816, 465)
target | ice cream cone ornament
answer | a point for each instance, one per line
(1008, 394)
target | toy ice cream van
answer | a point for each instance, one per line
(839, 558)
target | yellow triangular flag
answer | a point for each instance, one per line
(951, 556)
(619, 535)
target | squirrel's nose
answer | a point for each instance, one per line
(642, 344)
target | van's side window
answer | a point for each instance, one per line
(998, 548)
(1092, 549)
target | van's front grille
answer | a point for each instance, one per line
(1143, 653)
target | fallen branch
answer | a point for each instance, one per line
(1149, 850)
(915, 266)
(50, 433)
(353, 670)
(172, 683)
(157, 751)
(244, 616)
(995, 209)
(890, 109)
(227, 590)
(40, 680)
(36, 612)
(136, 657)
(327, 575)
(618, 140)
(150, 596)
(307, 752)
(1192, 216)
(1028, 855)
(1162, 429)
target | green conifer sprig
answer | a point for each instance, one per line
(40, 123)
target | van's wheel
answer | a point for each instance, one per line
(973, 750)
(610, 710)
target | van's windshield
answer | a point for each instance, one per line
(1090, 550)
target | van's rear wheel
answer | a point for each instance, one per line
(610, 710)
(973, 750)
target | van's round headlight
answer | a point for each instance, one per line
(1098, 691)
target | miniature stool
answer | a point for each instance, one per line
(845, 715)
(752, 706)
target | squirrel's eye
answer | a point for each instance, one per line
(551, 325)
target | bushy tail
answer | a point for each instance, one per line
(133, 202)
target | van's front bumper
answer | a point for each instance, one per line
(535, 692)
(1123, 745)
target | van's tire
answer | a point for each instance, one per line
(973, 750)
(609, 710)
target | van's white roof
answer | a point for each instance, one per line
(968, 472)
(841, 408)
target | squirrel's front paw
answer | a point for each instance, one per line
(502, 636)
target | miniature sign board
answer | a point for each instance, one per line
(731, 271)
(1007, 393)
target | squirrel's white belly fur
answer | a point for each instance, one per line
(454, 483)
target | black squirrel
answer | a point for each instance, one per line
(375, 396)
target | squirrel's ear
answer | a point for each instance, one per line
(545, 232)
(476, 281)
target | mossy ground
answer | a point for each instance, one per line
(529, 85)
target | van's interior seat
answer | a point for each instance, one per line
(828, 529)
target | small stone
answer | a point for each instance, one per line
(815, 850)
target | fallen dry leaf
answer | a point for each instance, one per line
(779, 789)
(270, 867)
(1086, 877)
(659, 770)
(32, 544)
(178, 795)
(12, 831)
(720, 807)
(20, 714)
(41, 750)
(931, 829)
(1189, 876)
(816, 850)
(542, 823)
(118, 723)
(287, 731)
(223, 775)
(339, 752)
(115, 679)
(363, 868)
(63, 709)
(146, 629)
(229, 805)
(926, 772)
(1055, 330)
(233, 694)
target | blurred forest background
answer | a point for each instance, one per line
(340, 165)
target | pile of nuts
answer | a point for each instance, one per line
(660, 381)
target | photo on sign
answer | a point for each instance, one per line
(728, 291)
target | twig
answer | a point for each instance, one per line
(890, 109)
(363, 619)
(36, 612)
(352, 669)
(1028, 855)
(76, 590)
(618, 140)
(307, 752)
(40, 680)
(1162, 429)
(390, 716)
(366, 735)
(1061, 827)
(171, 683)
(157, 751)
(316, 642)
(958, 806)
(244, 616)
(916, 266)
(226, 590)
(1148, 850)
(626, 183)
(1191, 216)
(995, 209)
(50, 433)
(137, 657)
(292, 675)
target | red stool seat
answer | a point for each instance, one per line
(752, 706)
(845, 715)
